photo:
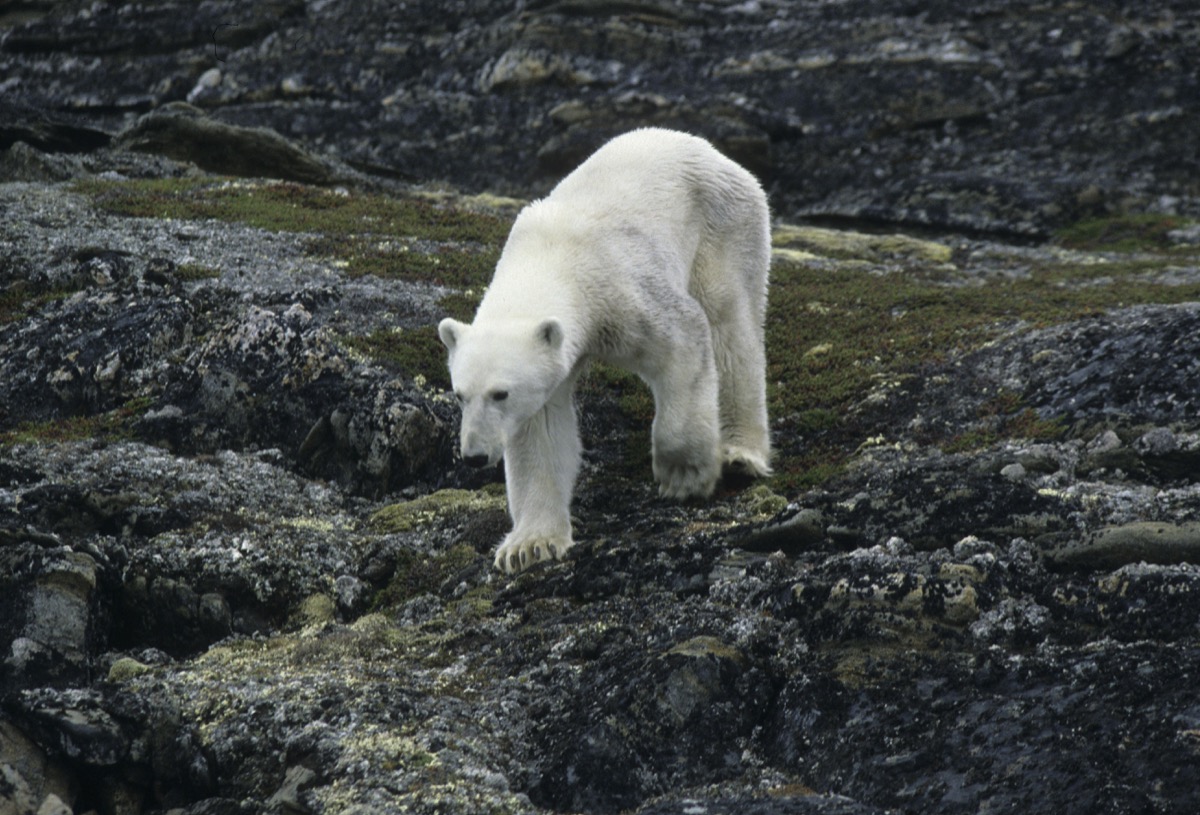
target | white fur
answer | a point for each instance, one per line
(653, 256)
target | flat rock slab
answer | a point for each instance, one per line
(1143, 541)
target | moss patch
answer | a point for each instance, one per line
(412, 352)
(20, 298)
(408, 515)
(189, 272)
(441, 264)
(113, 425)
(1124, 233)
(1005, 417)
(288, 207)
(418, 573)
(831, 333)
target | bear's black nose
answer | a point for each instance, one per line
(476, 461)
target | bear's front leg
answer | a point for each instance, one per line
(541, 462)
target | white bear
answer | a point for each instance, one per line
(653, 256)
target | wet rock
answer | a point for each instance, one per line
(933, 500)
(700, 696)
(93, 352)
(1009, 702)
(24, 163)
(287, 798)
(44, 130)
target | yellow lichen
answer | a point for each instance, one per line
(408, 515)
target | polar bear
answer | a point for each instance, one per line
(653, 256)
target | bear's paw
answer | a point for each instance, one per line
(743, 461)
(518, 553)
(680, 481)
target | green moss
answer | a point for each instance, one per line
(412, 352)
(831, 333)
(460, 305)
(707, 647)
(816, 420)
(289, 207)
(316, 609)
(810, 467)
(1005, 417)
(1121, 233)
(760, 499)
(127, 668)
(113, 425)
(20, 298)
(188, 272)
(419, 573)
(834, 330)
(445, 265)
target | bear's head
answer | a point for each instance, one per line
(502, 376)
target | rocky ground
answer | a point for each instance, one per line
(242, 571)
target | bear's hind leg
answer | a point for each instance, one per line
(541, 463)
(686, 434)
(741, 371)
(739, 346)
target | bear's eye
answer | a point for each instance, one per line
(499, 396)
(458, 396)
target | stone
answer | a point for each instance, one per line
(287, 799)
(1013, 472)
(52, 635)
(185, 134)
(74, 724)
(1142, 541)
(29, 777)
(904, 120)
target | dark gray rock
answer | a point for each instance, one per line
(51, 602)
(963, 116)
(47, 130)
(74, 724)
(1132, 368)
(780, 804)
(1008, 705)
(1142, 365)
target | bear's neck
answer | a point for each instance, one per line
(515, 295)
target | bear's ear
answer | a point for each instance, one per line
(450, 331)
(550, 331)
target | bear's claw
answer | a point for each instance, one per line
(515, 555)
